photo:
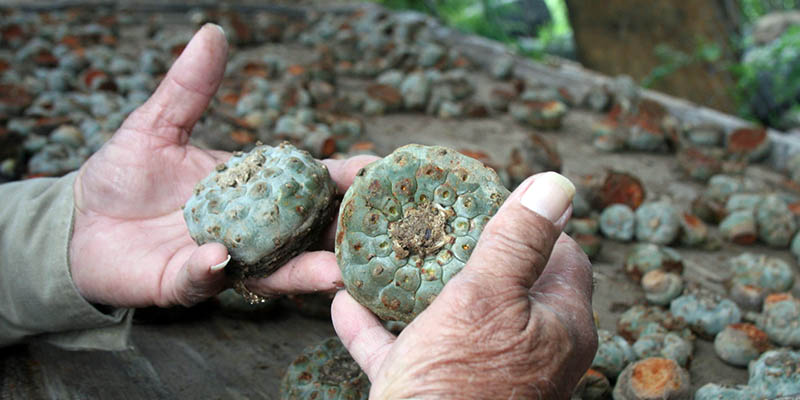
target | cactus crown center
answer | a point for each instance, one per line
(421, 231)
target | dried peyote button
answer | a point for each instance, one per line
(739, 227)
(502, 67)
(708, 135)
(754, 276)
(657, 222)
(710, 210)
(738, 344)
(409, 223)
(325, 371)
(776, 222)
(618, 222)
(706, 312)
(748, 144)
(775, 373)
(608, 136)
(699, 164)
(667, 345)
(743, 201)
(534, 155)
(653, 378)
(613, 354)
(415, 89)
(647, 257)
(592, 386)
(539, 114)
(781, 319)
(722, 186)
(694, 232)
(661, 287)
(265, 206)
(637, 321)
(713, 391)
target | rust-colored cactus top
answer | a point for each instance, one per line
(409, 223)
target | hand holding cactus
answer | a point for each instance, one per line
(130, 244)
(516, 322)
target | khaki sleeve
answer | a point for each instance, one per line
(38, 300)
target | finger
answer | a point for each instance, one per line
(308, 272)
(361, 333)
(201, 277)
(186, 90)
(344, 171)
(568, 273)
(517, 241)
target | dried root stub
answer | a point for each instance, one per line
(325, 371)
(409, 223)
(265, 206)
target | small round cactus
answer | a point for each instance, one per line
(739, 227)
(749, 144)
(781, 319)
(706, 312)
(776, 222)
(265, 206)
(708, 135)
(694, 232)
(713, 391)
(325, 371)
(657, 222)
(613, 354)
(653, 378)
(743, 201)
(639, 320)
(661, 287)
(754, 276)
(617, 222)
(539, 114)
(409, 223)
(738, 344)
(775, 373)
(592, 386)
(647, 257)
(667, 345)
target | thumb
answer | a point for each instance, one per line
(517, 241)
(201, 277)
(183, 95)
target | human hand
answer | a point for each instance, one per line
(516, 322)
(130, 245)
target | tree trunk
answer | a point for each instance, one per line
(621, 36)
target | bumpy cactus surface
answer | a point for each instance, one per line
(265, 206)
(409, 223)
(325, 371)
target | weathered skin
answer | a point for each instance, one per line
(409, 223)
(265, 206)
(325, 371)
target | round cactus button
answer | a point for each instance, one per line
(409, 223)
(265, 206)
(325, 371)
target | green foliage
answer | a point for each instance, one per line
(481, 17)
(776, 65)
(752, 9)
(673, 60)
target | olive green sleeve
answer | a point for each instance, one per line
(38, 300)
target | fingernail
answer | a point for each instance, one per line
(218, 27)
(549, 195)
(221, 265)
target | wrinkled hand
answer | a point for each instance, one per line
(516, 322)
(130, 245)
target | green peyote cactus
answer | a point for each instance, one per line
(409, 223)
(265, 206)
(325, 371)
